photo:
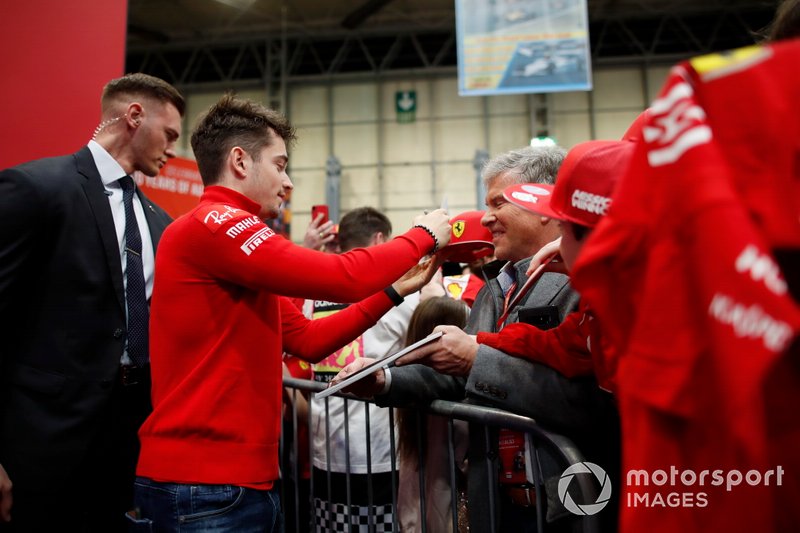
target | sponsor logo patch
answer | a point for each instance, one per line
(750, 322)
(458, 228)
(525, 197)
(242, 225)
(256, 240)
(591, 203)
(762, 269)
(214, 216)
(678, 124)
(714, 66)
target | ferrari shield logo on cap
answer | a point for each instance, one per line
(458, 228)
(469, 240)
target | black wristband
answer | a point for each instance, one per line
(432, 234)
(393, 295)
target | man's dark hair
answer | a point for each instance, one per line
(358, 226)
(142, 86)
(233, 122)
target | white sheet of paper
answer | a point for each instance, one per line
(377, 364)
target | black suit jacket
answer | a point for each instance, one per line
(62, 315)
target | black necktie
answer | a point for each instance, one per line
(138, 313)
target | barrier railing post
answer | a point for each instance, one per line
(563, 450)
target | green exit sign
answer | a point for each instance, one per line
(406, 106)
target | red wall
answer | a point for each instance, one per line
(55, 57)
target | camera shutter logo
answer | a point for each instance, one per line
(588, 508)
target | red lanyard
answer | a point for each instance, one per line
(506, 305)
(529, 283)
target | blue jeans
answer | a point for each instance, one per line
(173, 508)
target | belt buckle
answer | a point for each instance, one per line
(130, 375)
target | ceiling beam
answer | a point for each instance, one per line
(643, 37)
(356, 18)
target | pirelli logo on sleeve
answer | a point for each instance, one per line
(256, 240)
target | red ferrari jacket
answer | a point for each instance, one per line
(573, 347)
(218, 330)
(682, 279)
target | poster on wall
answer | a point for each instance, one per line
(522, 46)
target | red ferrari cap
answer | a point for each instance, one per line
(584, 185)
(531, 197)
(469, 239)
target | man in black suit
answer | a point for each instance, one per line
(74, 377)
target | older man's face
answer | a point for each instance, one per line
(515, 231)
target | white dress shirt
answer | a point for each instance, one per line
(110, 172)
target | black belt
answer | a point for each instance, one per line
(130, 375)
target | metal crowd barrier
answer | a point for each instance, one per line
(562, 449)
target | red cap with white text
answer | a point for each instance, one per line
(531, 197)
(584, 186)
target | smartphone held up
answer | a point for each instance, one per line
(316, 210)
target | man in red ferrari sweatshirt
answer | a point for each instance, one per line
(220, 321)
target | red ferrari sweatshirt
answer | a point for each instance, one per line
(219, 327)
(574, 347)
(682, 278)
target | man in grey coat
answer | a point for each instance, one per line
(459, 368)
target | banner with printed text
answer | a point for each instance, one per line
(177, 188)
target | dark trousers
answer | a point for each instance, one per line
(97, 495)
